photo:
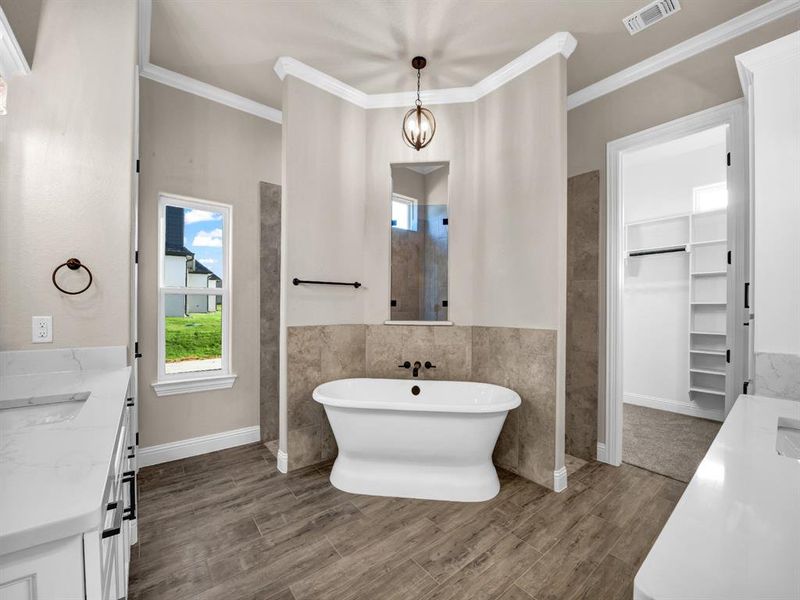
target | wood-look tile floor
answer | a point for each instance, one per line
(229, 526)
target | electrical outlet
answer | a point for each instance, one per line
(42, 330)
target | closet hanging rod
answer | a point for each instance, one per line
(657, 251)
(354, 284)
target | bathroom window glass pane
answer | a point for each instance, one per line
(404, 213)
(193, 247)
(192, 333)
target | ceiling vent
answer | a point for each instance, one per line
(652, 13)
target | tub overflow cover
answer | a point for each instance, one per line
(415, 390)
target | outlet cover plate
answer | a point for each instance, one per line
(42, 330)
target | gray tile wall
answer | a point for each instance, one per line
(408, 250)
(583, 247)
(449, 348)
(316, 354)
(270, 277)
(522, 359)
(434, 280)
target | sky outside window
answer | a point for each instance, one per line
(202, 233)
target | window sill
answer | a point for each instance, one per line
(196, 384)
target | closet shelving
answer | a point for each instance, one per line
(708, 307)
(703, 235)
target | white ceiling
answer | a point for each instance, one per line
(368, 44)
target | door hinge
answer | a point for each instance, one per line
(729, 257)
(728, 159)
(136, 256)
(137, 438)
(745, 386)
(137, 165)
(136, 350)
(728, 355)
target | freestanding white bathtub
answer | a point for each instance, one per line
(435, 445)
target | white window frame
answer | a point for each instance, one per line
(412, 211)
(183, 383)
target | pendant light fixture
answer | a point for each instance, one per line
(418, 124)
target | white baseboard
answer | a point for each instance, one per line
(154, 455)
(674, 406)
(602, 453)
(283, 461)
(560, 479)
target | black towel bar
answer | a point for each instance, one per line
(354, 284)
(659, 251)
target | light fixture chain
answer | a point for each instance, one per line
(419, 102)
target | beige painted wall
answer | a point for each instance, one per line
(436, 186)
(66, 164)
(706, 80)
(520, 246)
(193, 147)
(408, 183)
(323, 226)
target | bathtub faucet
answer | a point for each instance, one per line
(416, 367)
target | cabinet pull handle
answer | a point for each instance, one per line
(132, 452)
(129, 477)
(116, 526)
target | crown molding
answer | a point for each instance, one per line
(210, 92)
(286, 65)
(145, 23)
(559, 43)
(761, 15)
(771, 53)
(12, 60)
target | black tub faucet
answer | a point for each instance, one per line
(416, 367)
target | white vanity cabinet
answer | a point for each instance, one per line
(68, 507)
(98, 559)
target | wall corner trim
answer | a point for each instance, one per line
(747, 62)
(145, 25)
(154, 455)
(12, 59)
(602, 453)
(209, 92)
(560, 479)
(562, 43)
(283, 461)
(752, 19)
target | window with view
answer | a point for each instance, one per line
(404, 212)
(194, 289)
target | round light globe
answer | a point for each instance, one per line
(419, 126)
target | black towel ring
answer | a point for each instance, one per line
(73, 264)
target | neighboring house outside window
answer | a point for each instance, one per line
(194, 295)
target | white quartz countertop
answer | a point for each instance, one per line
(54, 464)
(735, 533)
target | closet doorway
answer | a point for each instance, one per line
(676, 262)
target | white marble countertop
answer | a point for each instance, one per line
(54, 464)
(735, 533)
